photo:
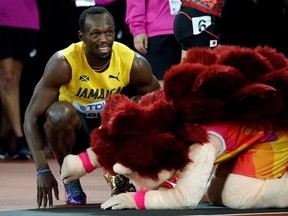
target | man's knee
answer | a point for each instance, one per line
(60, 115)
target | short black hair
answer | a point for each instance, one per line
(92, 10)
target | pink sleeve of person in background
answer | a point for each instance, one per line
(26, 16)
(136, 16)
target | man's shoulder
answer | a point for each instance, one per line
(121, 47)
(122, 52)
(72, 47)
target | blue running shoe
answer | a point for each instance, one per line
(74, 193)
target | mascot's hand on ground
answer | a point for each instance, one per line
(120, 201)
(72, 168)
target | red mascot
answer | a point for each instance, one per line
(220, 125)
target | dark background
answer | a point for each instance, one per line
(243, 23)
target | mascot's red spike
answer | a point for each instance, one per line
(227, 107)
(277, 78)
(179, 79)
(216, 80)
(249, 62)
(112, 104)
(277, 60)
(201, 55)
(245, 105)
(150, 98)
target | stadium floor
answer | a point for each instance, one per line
(18, 196)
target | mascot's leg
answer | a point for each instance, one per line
(217, 181)
(119, 184)
(244, 192)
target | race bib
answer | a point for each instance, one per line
(92, 110)
(199, 24)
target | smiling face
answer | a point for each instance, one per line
(98, 36)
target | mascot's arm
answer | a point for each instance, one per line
(192, 182)
(76, 166)
(190, 188)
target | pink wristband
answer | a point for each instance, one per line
(140, 199)
(86, 162)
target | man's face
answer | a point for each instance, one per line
(99, 36)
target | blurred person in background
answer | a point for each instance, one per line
(198, 24)
(19, 30)
(151, 24)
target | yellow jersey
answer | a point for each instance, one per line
(88, 89)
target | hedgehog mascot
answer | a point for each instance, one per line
(218, 129)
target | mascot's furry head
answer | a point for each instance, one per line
(229, 83)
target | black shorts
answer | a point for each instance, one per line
(194, 28)
(83, 136)
(163, 52)
(18, 43)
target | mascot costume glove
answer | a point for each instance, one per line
(76, 166)
(121, 201)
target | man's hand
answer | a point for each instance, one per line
(141, 43)
(120, 201)
(46, 182)
(72, 168)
